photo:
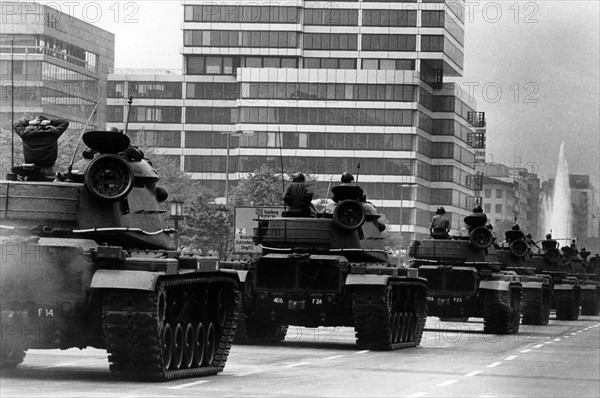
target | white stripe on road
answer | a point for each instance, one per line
(556, 339)
(510, 358)
(538, 346)
(188, 384)
(333, 357)
(446, 383)
(361, 352)
(525, 351)
(493, 365)
(417, 395)
(252, 372)
(473, 373)
(293, 365)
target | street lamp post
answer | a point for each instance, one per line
(176, 212)
(237, 132)
(402, 186)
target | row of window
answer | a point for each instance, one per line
(329, 63)
(159, 90)
(312, 16)
(330, 41)
(329, 92)
(388, 42)
(308, 140)
(247, 13)
(236, 38)
(154, 138)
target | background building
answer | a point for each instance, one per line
(509, 194)
(52, 64)
(322, 89)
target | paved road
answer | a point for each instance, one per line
(454, 360)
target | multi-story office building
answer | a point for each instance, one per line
(326, 87)
(52, 64)
(509, 194)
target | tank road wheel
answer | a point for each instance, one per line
(502, 311)
(188, 346)
(567, 308)
(167, 346)
(533, 307)
(199, 342)
(11, 355)
(177, 347)
(396, 323)
(589, 302)
(209, 345)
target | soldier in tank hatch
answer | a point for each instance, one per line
(440, 225)
(298, 196)
(476, 219)
(348, 189)
(40, 141)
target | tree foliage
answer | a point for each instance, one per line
(261, 188)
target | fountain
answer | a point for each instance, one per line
(557, 211)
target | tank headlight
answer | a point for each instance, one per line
(109, 177)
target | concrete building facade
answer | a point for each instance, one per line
(322, 89)
(52, 64)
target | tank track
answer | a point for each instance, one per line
(536, 306)
(502, 311)
(135, 324)
(389, 317)
(567, 307)
(257, 329)
(590, 302)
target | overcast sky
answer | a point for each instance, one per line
(533, 67)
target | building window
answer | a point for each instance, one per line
(389, 42)
(432, 43)
(432, 19)
(487, 193)
(246, 14)
(330, 41)
(330, 17)
(499, 193)
(487, 208)
(400, 18)
(498, 209)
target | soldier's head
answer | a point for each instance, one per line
(477, 209)
(115, 130)
(298, 177)
(516, 227)
(548, 236)
(440, 210)
(347, 177)
(489, 226)
(529, 236)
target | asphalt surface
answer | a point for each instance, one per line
(561, 359)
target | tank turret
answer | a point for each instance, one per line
(83, 257)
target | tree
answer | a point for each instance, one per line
(205, 227)
(261, 188)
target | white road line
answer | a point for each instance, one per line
(510, 358)
(293, 365)
(188, 384)
(60, 365)
(566, 337)
(573, 334)
(446, 383)
(250, 372)
(549, 342)
(493, 365)
(361, 352)
(525, 351)
(556, 339)
(333, 357)
(538, 346)
(417, 395)
(473, 373)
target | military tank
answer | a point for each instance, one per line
(331, 270)
(587, 275)
(537, 295)
(466, 281)
(551, 261)
(87, 262)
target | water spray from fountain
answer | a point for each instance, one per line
(557, 210)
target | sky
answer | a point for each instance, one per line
(532, 67)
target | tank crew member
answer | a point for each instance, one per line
(549, 243)
(40, 141)
(514, 234)
(440, 225)
(491, 228)
(347, 190)
(298, 197)
(530, 242)
(476, 219)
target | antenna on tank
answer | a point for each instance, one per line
(357, 171)
(70, 168)
(129, 102)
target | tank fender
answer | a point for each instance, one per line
(499, 284)
(120, 279)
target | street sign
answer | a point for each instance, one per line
(245, 221)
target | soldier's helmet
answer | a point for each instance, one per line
(298, 177)
(440, 210)
(347, 177)
(477, 209)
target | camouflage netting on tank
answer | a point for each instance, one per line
(39, 201)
